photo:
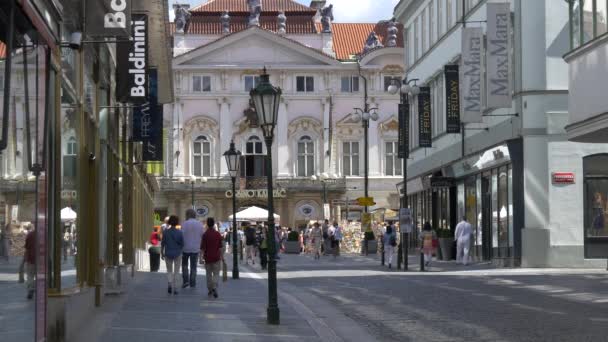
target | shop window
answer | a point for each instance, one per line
(251, 82)
(596, 205)
(350, 158)
(392, 163)
(201, 157)
(306, 157)
(503, 213)
(201, 84)
(305, 84)
(350, 84)
(253, 162)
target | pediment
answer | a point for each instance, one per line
(254, 47)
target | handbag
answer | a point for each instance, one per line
(224, 271)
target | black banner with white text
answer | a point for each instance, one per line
(452, 98)
(404, 130)
(425, 130)
(132, 63)
(151, 122)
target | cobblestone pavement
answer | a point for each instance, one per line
(474, 303)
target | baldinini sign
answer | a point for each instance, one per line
(108, 18)
(132, 63)
(257, 193)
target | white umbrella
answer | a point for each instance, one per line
(67, 214)
(253, 214)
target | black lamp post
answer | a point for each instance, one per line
(325, 178)
(266, 99)
(405, 90)
(233, 159)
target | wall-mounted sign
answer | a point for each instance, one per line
(108, 18)
(306, 210)
(472, 47)
(452, 98)
(562, 178)
(132, 64)
(404, 130)
(424, 118)
(257, 193)
(498, 51)
(202, 211)
(441, 182)
(405, 220)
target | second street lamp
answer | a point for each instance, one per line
(266, 99)
(233, 159)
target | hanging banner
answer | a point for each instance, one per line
(132, 64)
(452, 98)
(404, 131)
(425, 136)
(108, 18)
(498, 51)
(472, 46)
(151, 123)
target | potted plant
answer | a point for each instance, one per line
(369, 243)
(446, 242)
(292, 245)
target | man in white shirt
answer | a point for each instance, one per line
(192, 230)
(463, 238)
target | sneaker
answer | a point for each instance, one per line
(210, 293)
(214, 293)
(30, 294)
(175, 292)
(169, 289)
(185, 285)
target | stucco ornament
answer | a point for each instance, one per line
(225, 19)
(327, 16)
(392, 31)
(372, 42)
(282, 22)
(182, 19)
(255, 8)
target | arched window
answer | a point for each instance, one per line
(253, 163)
(306, 157)
(71, 147)
(201, 157)
(69, 159)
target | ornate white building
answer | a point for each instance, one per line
(218, 59)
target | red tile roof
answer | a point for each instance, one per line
(219, 6)
(349, 39)
(296, 24)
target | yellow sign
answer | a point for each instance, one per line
(366, 222)
(366, 201)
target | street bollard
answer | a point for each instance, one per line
(421, 261)
(382, 250)
(399, 255)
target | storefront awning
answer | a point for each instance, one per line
(253, 214)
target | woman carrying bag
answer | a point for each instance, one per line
(428, 243)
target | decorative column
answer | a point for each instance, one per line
(283, 146)
(326, 167)
(226, 129)
(179, 156)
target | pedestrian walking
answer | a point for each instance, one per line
(326, 241)
(29, 260)
(212, 250)
(463, 240)
(154, 250)
(316, 239)
(263, 246)
(250, 244)
(390, 241)
(192, 229)
(172, 247)
(337, 234)
(427, 238)
(228, 240)
(5, 247)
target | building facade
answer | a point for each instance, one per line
(513, 173)
(588, 111)
(323, 70)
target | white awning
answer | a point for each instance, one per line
(253, 214)
(67, 214)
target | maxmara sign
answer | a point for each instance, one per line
(257, 193)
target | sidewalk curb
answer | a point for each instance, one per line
(317, 322)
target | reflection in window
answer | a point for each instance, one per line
(253, 162)
(350, 158)
(251, 82)
(392, 162)
(306, 157)
(201, 157)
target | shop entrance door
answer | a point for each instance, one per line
(486, 218)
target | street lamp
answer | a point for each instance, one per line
(325, 178)
(266, 99)
(192, 180)
(233, 160)
(405, 90)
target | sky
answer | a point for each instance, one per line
(345, 11)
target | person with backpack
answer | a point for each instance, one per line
(172, 247)
(326, 241)
(390, 241)
(336, 238)
(250, 244)
(427, 236)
